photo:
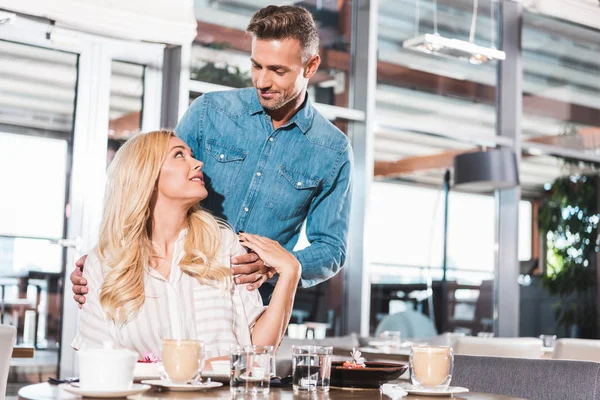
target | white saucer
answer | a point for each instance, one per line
(419, 391)
(216, 376)
(179, 387)
(135, 389)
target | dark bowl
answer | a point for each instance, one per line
(373, 376)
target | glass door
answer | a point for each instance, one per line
(66, 99)
(38, 90)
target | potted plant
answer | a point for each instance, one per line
(221, 73)
(569, 216)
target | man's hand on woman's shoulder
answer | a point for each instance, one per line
(79, 282)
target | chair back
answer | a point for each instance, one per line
(411, 324)
(577, 349)
(498, 347)
(528, 378)
(8, 335)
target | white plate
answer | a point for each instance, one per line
(178, 387)
(135, 389)
(215, 376)
(452, 390)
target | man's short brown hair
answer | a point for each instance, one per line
(286, 22)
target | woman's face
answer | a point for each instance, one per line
(181, 177)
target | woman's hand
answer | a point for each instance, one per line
(273, 255)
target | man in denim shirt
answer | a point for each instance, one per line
(271, 161)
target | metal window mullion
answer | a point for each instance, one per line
(509, 109)
(88, 178)
(363, 80)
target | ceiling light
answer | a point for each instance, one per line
(7, 18)
(436, 44)
(454, 48)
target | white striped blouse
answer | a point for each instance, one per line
(183, 304)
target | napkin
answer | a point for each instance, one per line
(393, 391)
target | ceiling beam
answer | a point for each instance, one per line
(411, 164)
(586, 138)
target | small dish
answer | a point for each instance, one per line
(374, 375)
(419, 391)
(145, 371)
(182, 387)
(215, 376)
(75, 389)
(221, 367)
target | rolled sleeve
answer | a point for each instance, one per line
(327, 226)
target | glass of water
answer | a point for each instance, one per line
(548, 340)
(311, 368)
(251, 369)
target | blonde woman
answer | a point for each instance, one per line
(162, 261)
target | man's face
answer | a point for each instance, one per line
(278, 73)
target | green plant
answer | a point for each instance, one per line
(226, 75)
(569, 215)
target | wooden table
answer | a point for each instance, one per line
(45, 391)
(22, 352)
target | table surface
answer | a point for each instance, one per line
(45, 391)
(22, 352)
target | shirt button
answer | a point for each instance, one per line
(246, 209)
(258, 174)
(299, 184)
(271, 139)
(222, 156)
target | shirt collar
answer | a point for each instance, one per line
(304, 116)
(302, 119)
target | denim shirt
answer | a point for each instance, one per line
(268, 182)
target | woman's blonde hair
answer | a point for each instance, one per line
(125, 244)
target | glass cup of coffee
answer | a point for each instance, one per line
(182, 360)
(431, 367)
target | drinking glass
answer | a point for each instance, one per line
(548, 340)
(251, 370)
(391, 340)
(431, 367)
(182, 360)
(311, 368)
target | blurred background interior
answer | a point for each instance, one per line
(76, 84)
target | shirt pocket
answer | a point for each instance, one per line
(292, 193)
(225, 163)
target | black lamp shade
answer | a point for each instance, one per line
(485, 171)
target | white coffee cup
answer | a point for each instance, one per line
(106, 368)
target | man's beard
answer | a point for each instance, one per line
(273, 104)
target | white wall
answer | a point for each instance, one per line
(584, 12)
(160, 21)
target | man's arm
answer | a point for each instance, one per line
(327, 225)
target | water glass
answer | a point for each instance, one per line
(251, 370)
(311, 368)
(431, 367)
(548, 340)
(391, 340)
